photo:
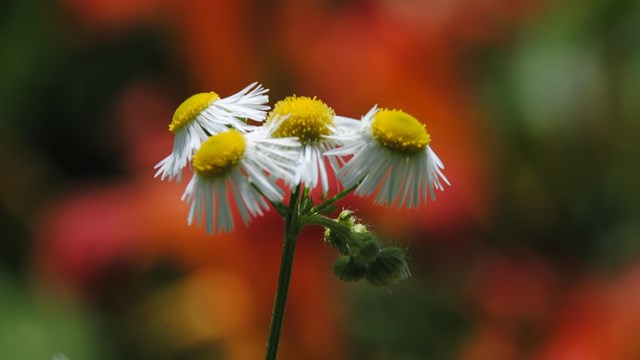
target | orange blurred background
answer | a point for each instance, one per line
(532, 253)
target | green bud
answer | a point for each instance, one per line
(366, 253)
(346, 218)
(367, 247)
(348, 270)
(389, 267)
(327, 234)
(359, 229)
(338, 242)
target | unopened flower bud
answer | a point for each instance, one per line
(359, 229)
(348, 270)
(327, 234)
(389, 267)
(367, 248)
(346, 218)
(337, 241)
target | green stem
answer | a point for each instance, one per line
(291, 230)
(333, 199)
(280, 208)
(325, 222)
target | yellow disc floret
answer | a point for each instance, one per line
(399, 132)
(308, 118)
(219, 154)
(190, 108)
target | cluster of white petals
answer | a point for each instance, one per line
(216, 116)
(301, 142)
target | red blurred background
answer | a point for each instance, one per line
(532, 253)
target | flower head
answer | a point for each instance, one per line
(206, 114)
(235, 168)
(313, 123)
(391, 154)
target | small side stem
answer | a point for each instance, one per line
(333, 199)
(291, 231)
(324, 222)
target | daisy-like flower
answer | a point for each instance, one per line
(312, 122)
(391, 154)
(206, 114)
(243, 166)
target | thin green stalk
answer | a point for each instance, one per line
(333, 199)
(291, 231)
(324, 222)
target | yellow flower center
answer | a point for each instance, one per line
(309, 118)
(399, 132)
(190, 108)
(219, 154)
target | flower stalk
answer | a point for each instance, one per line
(291, 231)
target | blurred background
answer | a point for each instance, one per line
(532, 253)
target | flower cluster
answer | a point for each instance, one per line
(238, 166)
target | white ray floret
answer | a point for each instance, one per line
(206, 114)
(391, 156)
(236, 170)
(313, 123)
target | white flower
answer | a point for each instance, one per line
(206, 114)
(391, 155)
(313, 123)
(245, 166)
